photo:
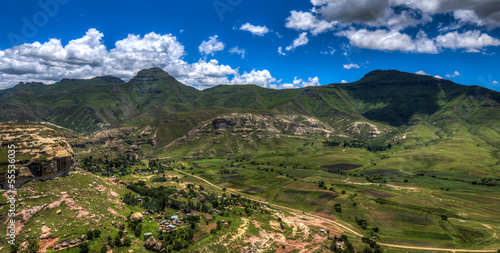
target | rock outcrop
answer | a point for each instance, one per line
(42, 152)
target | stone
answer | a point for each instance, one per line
(137, 216)
(120, 225)
(59, 211)
(150, 243)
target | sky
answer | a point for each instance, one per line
(273, 44)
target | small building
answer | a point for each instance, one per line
(73, 242)
(171, 226)
(173, 217)
(322, 231)
(64, 244)
(148, 234)
(58, 246)
(304, 218)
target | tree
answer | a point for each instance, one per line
(338, 208)
(84, 248)
(33, 245)
(117, 241)
(104, 248)
(127, 242)
(444, 217)
(138, 230)
(14, 248)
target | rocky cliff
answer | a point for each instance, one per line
(42, 152)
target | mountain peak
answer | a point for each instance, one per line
(109, 79)
(150, 75)
(395, 76)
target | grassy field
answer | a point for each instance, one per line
(414, 208)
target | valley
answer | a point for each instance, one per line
(250, 169)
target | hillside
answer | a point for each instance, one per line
(104, 102)
(392, 160)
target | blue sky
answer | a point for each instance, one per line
(205, 43)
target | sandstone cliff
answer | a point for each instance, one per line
(42, 152)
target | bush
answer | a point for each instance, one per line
(84, 248)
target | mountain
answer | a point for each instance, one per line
(387, 97)
(383, 103)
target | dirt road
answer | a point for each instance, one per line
(338, 225)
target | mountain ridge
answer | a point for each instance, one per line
(388, 97)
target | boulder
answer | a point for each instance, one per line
(120, 225)
(157, 247)
(137, 216)
(150, 243)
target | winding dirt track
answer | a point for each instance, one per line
(336, 224)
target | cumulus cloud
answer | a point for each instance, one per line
(300, 41)
(388, 18)
(467, 40)
(351, 66)
(301, 21)
(455, 74)
(87, 57)
(240, 51)
(255, 29)
(348, 11)
(478, 12)
(438, 77)
(494, 83)
(390, 40)
(211, 46)
(259, 77)
(299, 83)
(343, 81)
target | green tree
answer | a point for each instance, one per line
(127, 242)
(84, 248)
(33, 246)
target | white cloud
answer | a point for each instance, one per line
(211, 46)
(390, 17)
(240, 51)
(351, 66)
(421, 72)
(87, 57)
(280, 51)
(306, 21)
(300, 41)
(455, 74)
(255, 29)
(390, 40)
(330, 51)
(467, 40)
(343, 81)
(476, 12)
(299, 83)
(494, 83)
(438, 77)
(259, 77)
